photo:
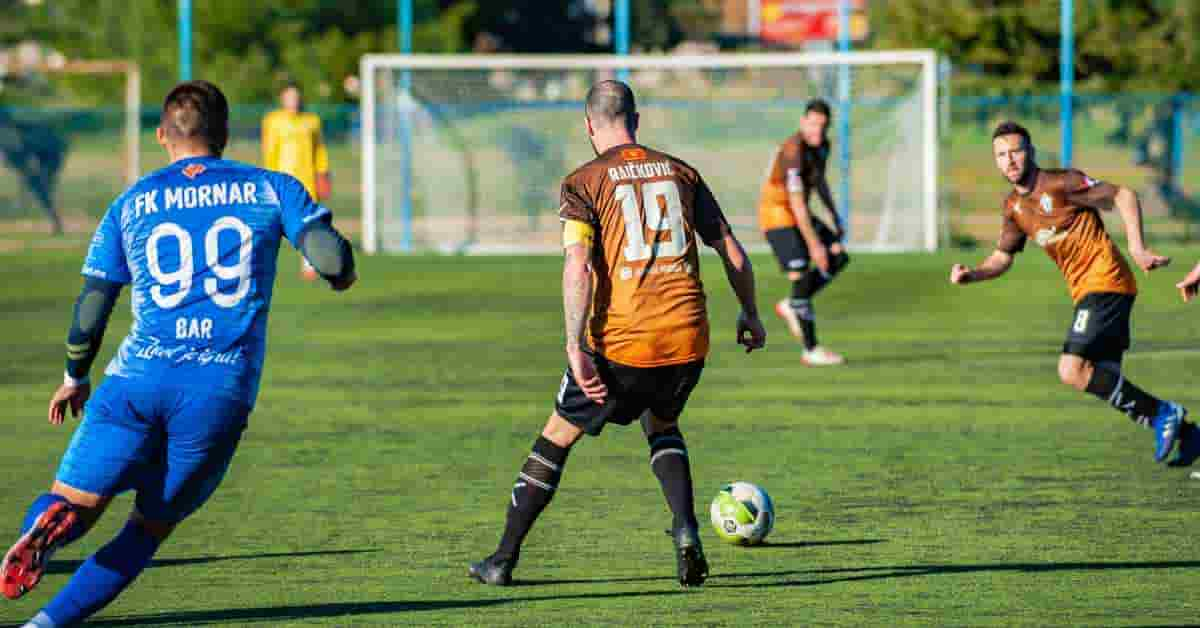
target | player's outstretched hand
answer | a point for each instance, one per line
(584, 370)
(1148, 260)
(68, 395)
(1190, 284)
(750, 332)
(959, 274)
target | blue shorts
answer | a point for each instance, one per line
(171, 445)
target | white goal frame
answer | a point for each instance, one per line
(927, 59)
(133, 97)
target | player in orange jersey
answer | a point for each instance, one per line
(633, 219)
(1060, 211)
(809, 249)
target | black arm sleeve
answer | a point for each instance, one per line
(92, 310)
(328, 252)
(827, 199)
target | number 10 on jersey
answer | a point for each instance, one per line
(663, 210)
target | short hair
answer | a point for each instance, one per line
(818, 105)
(290, 85)
(197, 111)
(1008, 127)
(611, 101)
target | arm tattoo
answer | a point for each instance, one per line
(577, 301)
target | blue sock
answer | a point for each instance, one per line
(99, 580)
(39, 506)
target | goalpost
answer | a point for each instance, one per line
(131, 99)
(465, 153)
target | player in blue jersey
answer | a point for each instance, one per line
(197, 243)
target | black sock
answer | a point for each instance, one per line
(669, 461)
(531, 494)
(837, 263)
(1121, 394)
(808, 320)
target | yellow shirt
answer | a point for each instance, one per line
(292, 143)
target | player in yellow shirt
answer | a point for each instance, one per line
(291, 143)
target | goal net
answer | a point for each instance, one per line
(465, 153)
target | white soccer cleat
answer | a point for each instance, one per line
(784, 310)
(820, 356)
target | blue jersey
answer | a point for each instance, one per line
(197, 241)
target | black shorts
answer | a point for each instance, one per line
(790, 248)
(1100, 330)
(663, 390)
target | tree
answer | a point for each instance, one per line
(1012, 46)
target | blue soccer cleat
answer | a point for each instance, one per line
(1166, 425)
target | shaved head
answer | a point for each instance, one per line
(610, 102)
(196, 112)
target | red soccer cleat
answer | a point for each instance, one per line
(24, 564)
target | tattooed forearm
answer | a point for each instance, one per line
(577, 295)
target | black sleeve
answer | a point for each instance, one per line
(827, 198)
(329, 253)
(92, 311)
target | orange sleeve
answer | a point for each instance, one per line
(1085, 191)
(1012, 238)
(574, 205)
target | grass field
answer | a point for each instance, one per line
(943, 478)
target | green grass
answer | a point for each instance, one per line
(943, 478)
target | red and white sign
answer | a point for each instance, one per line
(801, 21)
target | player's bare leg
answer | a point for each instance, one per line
(1105, 380)
(54, 521)
(783, 309)
(535, 487)
(669, 461)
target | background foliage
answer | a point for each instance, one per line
(997, 46)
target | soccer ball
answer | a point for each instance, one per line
(743, 514)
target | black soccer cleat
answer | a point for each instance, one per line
(689, 557)
(1189, 446)
(493, 571)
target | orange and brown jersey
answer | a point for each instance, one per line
(647, 209)
(1060, 215)
(796, 168)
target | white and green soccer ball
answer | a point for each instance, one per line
(743, 514)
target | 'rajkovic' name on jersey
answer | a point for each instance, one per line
(648, 209)
(197, 242)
